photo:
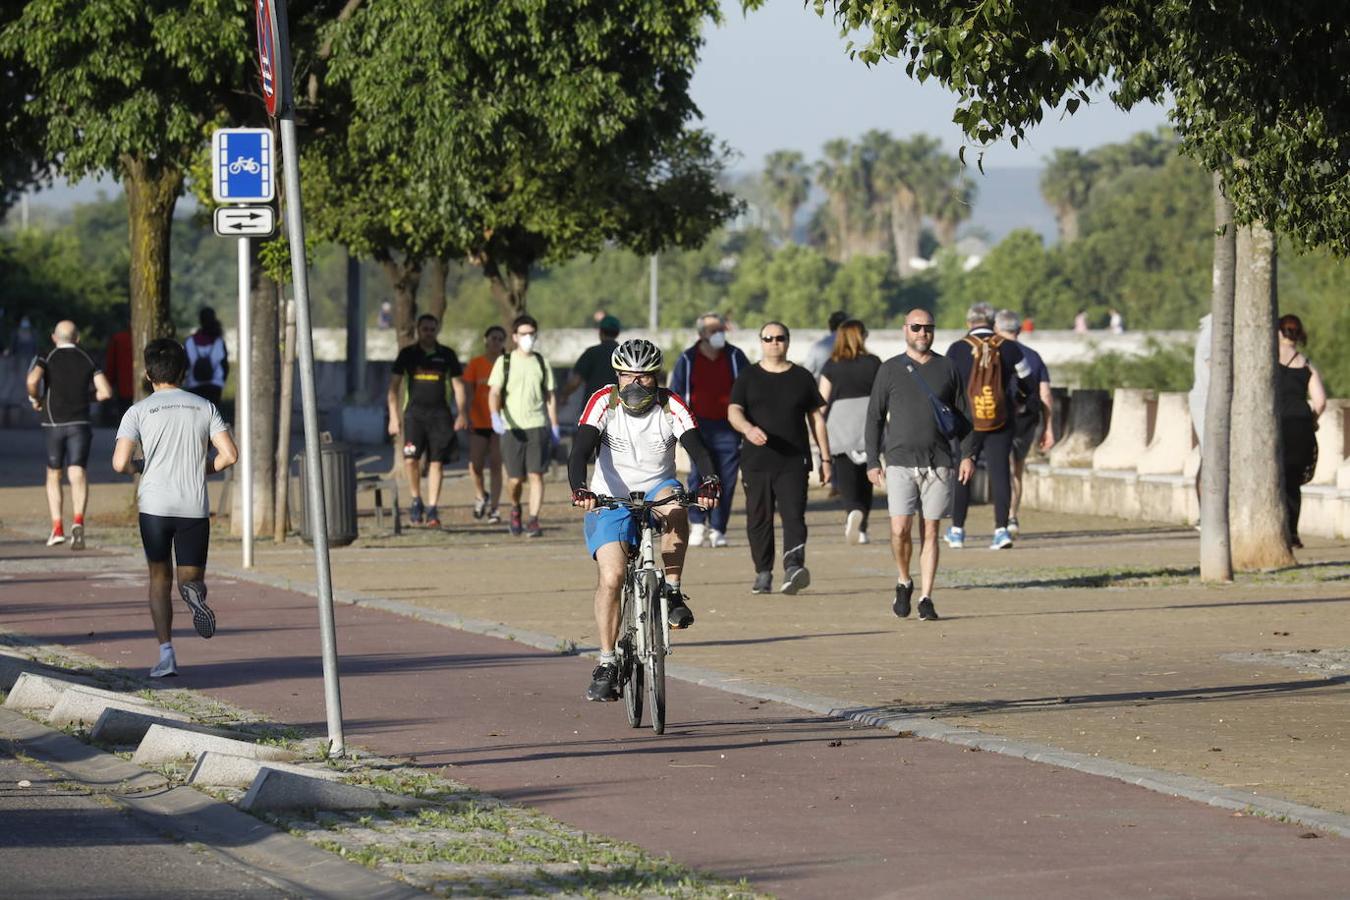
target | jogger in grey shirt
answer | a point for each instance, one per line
(175, 430)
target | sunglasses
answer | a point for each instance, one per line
(773, 338)
(917, 328)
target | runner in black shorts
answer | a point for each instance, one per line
(425, 422)
(59, 387)
(176, 430)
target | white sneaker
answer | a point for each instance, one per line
(716, 538)
(697, 532)
(853, 526)
(167, 665)
(863, 538)
(55, 539)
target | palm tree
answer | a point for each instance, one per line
(787, 179)
(1065, 185)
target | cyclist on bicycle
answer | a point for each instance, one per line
(634, 424)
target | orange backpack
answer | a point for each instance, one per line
(984, 388)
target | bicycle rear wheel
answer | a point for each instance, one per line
(656, 648)
(631, 683)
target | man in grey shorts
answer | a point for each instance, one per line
(920, 466)
(175, 429)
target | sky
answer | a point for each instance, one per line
(780, 78)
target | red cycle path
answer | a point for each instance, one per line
(800, 805)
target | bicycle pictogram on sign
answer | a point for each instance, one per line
(244, 163)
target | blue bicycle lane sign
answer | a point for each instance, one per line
(243, 162)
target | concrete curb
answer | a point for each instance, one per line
(84, 707)
(286, 862)
(125, 727)
(216, 769)
(933, 729)
(32, 692)
(163, 743)
(281, 790)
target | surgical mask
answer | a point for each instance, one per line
(717, 340)
(637, 398)
(525, 342)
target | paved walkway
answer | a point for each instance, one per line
(801, 805)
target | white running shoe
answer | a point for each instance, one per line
(167, 665)
(697, 532)
(863, 538)
(55, 539)
(716, 538)
(853, 526)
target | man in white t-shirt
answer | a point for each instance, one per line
(635, 425)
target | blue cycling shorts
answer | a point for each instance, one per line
(606, 526)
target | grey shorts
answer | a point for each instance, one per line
(526, 451)
(909, 489)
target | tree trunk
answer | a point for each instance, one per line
(286, 401)
(1216, 559)
(1066, 217)
(906, 226)
(152, 193)
(405, 277)
(266, 360)
(440, 271)
(1259, 533)
(510, 288)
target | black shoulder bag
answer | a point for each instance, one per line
(951, 424)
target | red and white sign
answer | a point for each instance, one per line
(270, 56)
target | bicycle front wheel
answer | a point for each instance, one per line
(631, 683)
(656, 659)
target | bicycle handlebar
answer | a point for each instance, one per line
(680, 498)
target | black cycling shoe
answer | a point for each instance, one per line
(763, 583)
(604, 684)
(680, 615)
(926, 611)
(900, 606)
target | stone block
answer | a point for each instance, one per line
(12, 665)
(1128, 436)
(32, 691)
(277, 789)
(227, 770)
(128, 726)
(1331, 442)
(1088, 419)
(164, 743)
(1173, 438)
(79, 706)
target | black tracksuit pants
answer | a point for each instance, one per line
(855, 488)
(785, 491)
(997, 448)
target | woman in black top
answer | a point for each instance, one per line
(846, 385)
(1300, 398)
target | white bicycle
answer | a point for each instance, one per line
(644, 627)
(245, 164)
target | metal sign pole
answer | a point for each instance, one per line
(279, 51)
(245, 405)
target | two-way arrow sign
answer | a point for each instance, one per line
(245, 221)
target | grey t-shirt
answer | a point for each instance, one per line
(174, 429)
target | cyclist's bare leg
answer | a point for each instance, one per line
(610, 562)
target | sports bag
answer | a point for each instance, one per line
(984, 388)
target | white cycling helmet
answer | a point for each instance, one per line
(636, 355)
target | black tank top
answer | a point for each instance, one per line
(1292, 391)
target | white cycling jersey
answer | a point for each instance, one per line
(636, 452)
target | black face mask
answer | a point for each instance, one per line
(636, 398)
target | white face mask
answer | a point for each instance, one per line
(717, 340)
(525, 342)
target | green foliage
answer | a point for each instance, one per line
(41, 276)
(1163, 367)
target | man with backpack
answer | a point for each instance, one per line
(525, 413)
(993, 370)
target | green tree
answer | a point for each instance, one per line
(795, 281)
(867, 289)
(787, 179)
(131, 90)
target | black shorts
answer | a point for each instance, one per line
(429, 433)
(187, 538)
(68, 445)
(1026, 428)
(485, 433)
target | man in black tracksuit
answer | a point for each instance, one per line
(996, 445)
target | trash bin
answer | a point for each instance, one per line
(339, 492)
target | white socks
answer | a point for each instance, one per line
(165, 649)
(608, 658)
